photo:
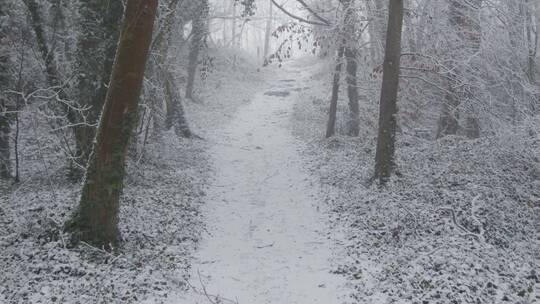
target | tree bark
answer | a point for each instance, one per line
(352, 92)
(100, 24)
(96, 219)
(332, 113)
(198, 36)
(384, 159)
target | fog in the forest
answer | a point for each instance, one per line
(270, 151)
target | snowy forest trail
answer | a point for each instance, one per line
(267, 243)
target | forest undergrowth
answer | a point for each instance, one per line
(160, 219)
(459, 224)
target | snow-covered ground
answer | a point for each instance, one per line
(160, 218)
(460, 224)
(266, 242)
(263, 210)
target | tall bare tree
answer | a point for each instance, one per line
(384, 159)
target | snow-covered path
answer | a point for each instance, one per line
(267, 243)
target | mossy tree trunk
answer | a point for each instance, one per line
(384, 159)
(96, 219)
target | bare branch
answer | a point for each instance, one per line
(313, 12)
(297, 17)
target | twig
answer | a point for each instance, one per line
(217, 299)
(413, 216)
(313, 12)
(281, 8)
(473, 211)
(465, 230)
(266, 246)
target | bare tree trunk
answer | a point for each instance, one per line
(532, 42)
(233, 38)
(352, 92)
(5, 131)
(51, 68)
(384, 159)
(449, 120)
(474, 40)
(268, 29)
(175, 115)
(175, 110)
(5, 125)
(199, 32)
(463, 18)
(332, 112)
(352, 67)
(61, 107)
(100, 23)
(96, 219)
(377, 34)
(224, 25)
(372, 30)
(536, 102)
(5, 151)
